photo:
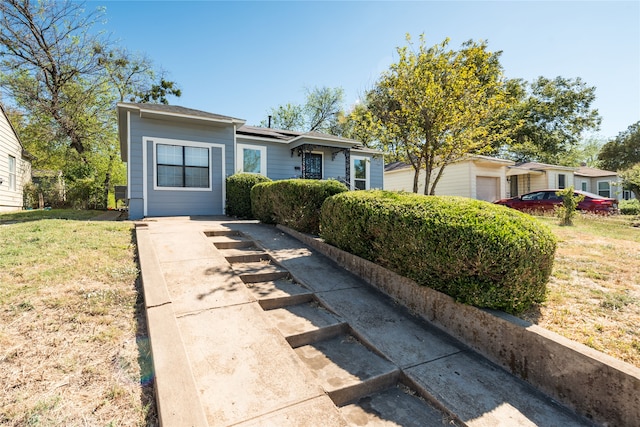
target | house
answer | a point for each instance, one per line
(602, 182)
(15, 166)
(531, 176)
(474, 176)
(178, 158)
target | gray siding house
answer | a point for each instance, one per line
(178, 158)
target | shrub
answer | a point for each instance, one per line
(630, 207)
(295, 203)
(479, 253)
(238, 201)
(568, 211)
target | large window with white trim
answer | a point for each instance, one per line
(180, 166)
(12, 173)
(604, 189)
(360, 175)
(251, 159)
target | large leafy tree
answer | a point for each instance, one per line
(436, 105)
(622, 152)
(63, 79)
(321, 112)
(631, 178)
(547, 120)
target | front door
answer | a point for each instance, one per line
(312, 166)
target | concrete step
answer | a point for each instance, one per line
(253, 256)
(263, 271)
(346, 369)
(306, 323)
(279, 293)
(396, 406)
(222, 232)
(232, 242)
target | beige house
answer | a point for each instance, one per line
(15, 166)
(532, 176)
(602, 182)
(477, 177)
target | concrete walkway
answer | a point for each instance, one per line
(248, 326)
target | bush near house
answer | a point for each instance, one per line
(479, 253)
(630, 207)
(295, 203)
(238, 203)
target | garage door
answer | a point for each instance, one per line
(487, 188)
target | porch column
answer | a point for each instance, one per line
(347, 167)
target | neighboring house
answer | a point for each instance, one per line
(178, 158)
(15, 166)
(602, 182)
(477, 177)
(532, 176)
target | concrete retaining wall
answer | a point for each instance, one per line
(589, 382)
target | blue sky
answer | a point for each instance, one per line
(242, 58)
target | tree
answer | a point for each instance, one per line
(622, 152)
(631, 178)
(64, 79)
(321, 112)
(548, 119)
(436, 105)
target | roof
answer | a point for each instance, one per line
(593, 172)
(542, 166)
(396, 166)
(176, 110)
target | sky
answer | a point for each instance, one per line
(243, 58)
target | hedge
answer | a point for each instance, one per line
(477, 252)
(238, 199)
(630, 207)
(295, 203)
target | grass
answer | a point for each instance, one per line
(73, 340)
(593, 296)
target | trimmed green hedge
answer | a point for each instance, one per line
(479, 253)
(238, 201)
(630, 207)
(295, 203)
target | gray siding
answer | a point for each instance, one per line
(179, 202)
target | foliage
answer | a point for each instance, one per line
(547, 119)
(435, 105)
(295, 203)
(50, 189)
(631, 179)
(238, 203)
(585, 153)
(623, 152)
(568, 211)
(474, 251)
(630, 207)
(86, 193)
(321, 112)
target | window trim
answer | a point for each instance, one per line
(598, 188)
(367, 178)
(161, 141)
(564, 178)
(12, 173)
(240, 147)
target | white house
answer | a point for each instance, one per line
(15, 166)
(602, 182)
(477, 177)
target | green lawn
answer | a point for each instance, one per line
(72, 327)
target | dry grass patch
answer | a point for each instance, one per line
(72, 326)
(594, 291)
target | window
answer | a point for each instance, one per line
(12, 173)
(604, 189)
(251, 159)
(584, 186)
(534, 196)
(182, 166)
(359, 173)
(562, 178)
(626, 194)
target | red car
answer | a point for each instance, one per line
(548, 200)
